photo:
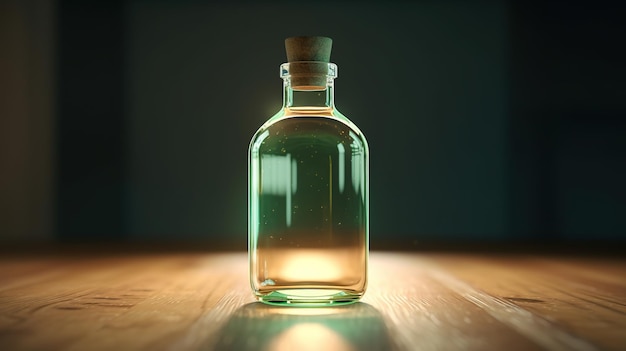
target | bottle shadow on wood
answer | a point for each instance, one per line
(256, 326)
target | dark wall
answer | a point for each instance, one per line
(486, 119)
(568, 121)
(92, 138)
(27, 124)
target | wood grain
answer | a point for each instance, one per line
(202, 301)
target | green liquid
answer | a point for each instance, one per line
(308, 211)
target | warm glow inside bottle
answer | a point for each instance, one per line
(308, 190)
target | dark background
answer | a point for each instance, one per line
(488, 121)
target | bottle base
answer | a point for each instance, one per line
(309, 297)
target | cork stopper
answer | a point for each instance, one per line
(308, 59)
(308, 49)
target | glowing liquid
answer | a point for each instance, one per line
(308, 211)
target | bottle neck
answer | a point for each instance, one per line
(308, 97)
(308, 86)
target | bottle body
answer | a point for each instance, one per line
(308, 220)
(308, 209)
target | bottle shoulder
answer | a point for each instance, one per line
(307, 117)
(314, 127)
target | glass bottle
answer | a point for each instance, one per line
(308, 190)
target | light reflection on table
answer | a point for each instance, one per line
(256, 326)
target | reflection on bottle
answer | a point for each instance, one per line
(341, 159)
(279, 176)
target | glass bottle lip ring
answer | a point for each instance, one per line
(308, 68)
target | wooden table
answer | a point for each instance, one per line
(415, 301)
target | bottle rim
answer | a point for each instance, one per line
(308, 68)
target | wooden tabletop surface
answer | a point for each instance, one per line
(415, 301)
